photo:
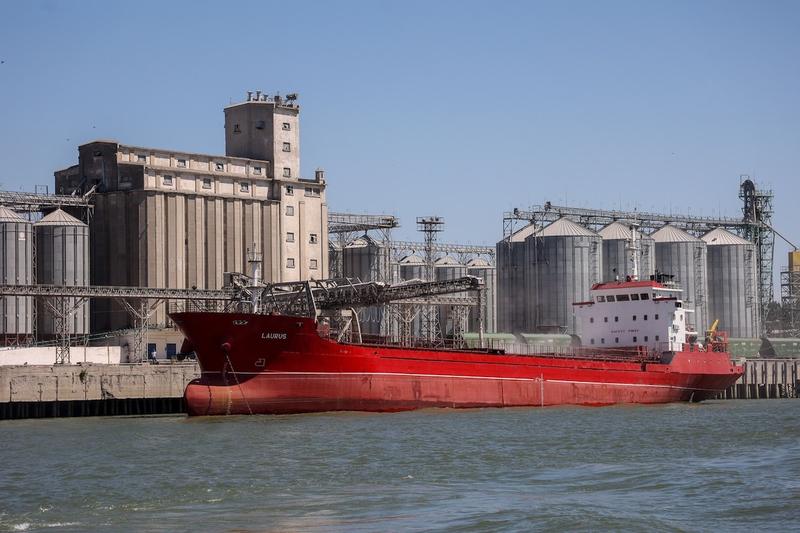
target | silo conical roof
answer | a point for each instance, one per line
(7, 215)
(479, 262)
(564, 227)
(412, 260)
(59, 218)
(446, 261)
(363, 242)
(669, 233)
(521, 234)
(721, 237)
(615, 231)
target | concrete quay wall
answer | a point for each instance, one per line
(93, 389)
(767, 378)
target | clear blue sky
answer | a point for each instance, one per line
(461, 109)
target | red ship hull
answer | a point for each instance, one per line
(262, 364)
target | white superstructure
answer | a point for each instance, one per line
(626, 314)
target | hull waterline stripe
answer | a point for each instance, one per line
(531, 380)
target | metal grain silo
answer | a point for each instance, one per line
(367, 260)
(564, 261)
(16, 268)
(488, 273)
(62, 258)
(512, 305)
(618, 250)
(684, 257)
(412, 267)
(446, 268)
(732, 283)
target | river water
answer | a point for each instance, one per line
(719, 465)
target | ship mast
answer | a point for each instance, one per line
(633, 251)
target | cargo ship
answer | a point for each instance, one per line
(635, 347)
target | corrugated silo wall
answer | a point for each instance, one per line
(616, 256)
(561, 271)
(446, 316)
(62, 258)
(488, 302)
(687, 262)
(511, 286)
(16, 312)
(647, 266)
(367, 263)
(615, 259)
(732, 286)
(176, 241)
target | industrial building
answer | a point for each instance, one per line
(683, 257)
(732, 288)
(16, 243)
(723, 266)
(160, 218)
(361, 247)
(619, 249)
(172, 219)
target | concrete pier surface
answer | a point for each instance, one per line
(137, 389)
(93, 389)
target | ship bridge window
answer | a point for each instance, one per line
(634, 339)
(605, 319)
(644, 296)
(602, 341)
(601, 298)
(616, 340)
(645, 317)
(634, 296)
(656, 337)
(645, 338)
(678, 304)
(591, 320)
(622, 297)
(634, 318)
(656, 316)
(616, 319)
(591, 341)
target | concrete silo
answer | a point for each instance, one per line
(446, 268)
(62, 258)
(367, 260)
(512, 305)
(564, 261)
(488, 273)
(618, 251)
(16, 268)
(732, 283)
(683, 256)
